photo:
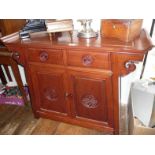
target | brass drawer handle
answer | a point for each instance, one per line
(43, 56)
(87, 60)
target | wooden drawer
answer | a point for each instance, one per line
(51, 56)
(88, 59)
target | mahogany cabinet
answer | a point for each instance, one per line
(76, 80)
(75, 93)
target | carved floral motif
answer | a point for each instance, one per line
(87, 60)
(89, 101)
(43, 56)
(51, 94)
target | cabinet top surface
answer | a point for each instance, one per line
(64, 40)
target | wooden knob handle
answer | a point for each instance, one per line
(68, 94)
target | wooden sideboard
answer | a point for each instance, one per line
(76, 80)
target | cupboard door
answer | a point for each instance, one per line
(48, 85)
(92, 96)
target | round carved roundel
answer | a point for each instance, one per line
(51, 94)
(87, 60)
(89, 101)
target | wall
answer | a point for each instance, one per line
(150, 63)
(126, 81)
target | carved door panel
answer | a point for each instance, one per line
(48, 84)
(92, 96)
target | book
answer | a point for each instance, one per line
(55, 25)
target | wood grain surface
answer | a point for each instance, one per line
(15, 120)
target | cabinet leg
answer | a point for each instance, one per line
(36, 116)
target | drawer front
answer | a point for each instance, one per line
(51, 56)
(88, 59)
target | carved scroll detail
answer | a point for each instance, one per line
(123, 64)
(89, 101)
(130, 65)
(16, 56)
